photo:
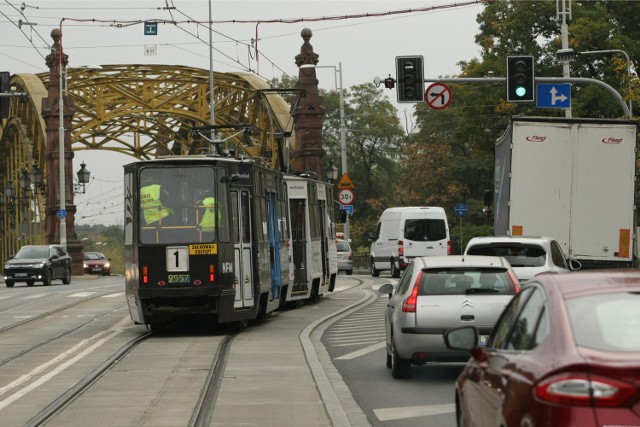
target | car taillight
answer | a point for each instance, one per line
(515, 281)
(350, 256)
(580, 389)
(448, 247)
(400, 248)
(409, 304)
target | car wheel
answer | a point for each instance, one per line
(349, 272)
(389, 362)
(9, 283)
(374, 271)
(400, 368)
(46, 278)
(30, 282)
(67, 278)
(459, 416)
(395, 271)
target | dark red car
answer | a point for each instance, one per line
(96, 263)
(565, 352)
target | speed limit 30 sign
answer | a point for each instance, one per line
(345, 196)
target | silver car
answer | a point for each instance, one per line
(345, 256)
(528, 256)
(439, 293)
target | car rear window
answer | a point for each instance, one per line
(518, 255)
(608, 322)
(424, 230)
(342, 246)
(459, 282)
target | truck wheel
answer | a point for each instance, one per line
(395, 271)
(374, 271)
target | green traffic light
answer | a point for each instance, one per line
(521, 91)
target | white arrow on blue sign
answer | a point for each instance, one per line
(553, 95)
(461, 209)
(62, 213)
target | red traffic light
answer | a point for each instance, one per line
(389, 83)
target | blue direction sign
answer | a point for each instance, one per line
(348, 208)
(461, 209)
(62, 213)
(150, 28)
(553, 95)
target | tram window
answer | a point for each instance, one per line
(224, 234)
(235, 219)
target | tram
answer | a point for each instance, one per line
(314, 256)
(224, 238)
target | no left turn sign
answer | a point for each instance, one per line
(437, 96)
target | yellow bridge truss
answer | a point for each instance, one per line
(140, 110)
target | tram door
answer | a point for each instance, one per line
(243, 239)
(299, 242)
(274, 244)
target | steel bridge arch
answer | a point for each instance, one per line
(139, 110)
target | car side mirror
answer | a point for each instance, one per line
(387, 288)
(54, 256)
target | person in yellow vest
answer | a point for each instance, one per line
(154, 210)
(207, 222)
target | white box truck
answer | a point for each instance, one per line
(404, 233)
(573, 180)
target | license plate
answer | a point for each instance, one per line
(179, 278)
(97, 269)
(482, 340)
(21, 274)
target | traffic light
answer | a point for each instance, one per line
(4, 100)
(520, 79)
(410, 78)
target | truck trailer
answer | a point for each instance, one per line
(573, 180)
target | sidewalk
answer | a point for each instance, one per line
(283, 376)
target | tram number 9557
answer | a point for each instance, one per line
(179, 278)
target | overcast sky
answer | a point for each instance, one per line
(366, 47)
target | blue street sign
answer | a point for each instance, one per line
(553, 95)
(150, 28)
(348, 208)
(461, 209)
(62, 213)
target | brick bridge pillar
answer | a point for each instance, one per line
(50, 113)
(308, 155)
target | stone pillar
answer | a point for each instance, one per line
(308, 153)
(50, 113)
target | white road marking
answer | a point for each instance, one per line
(362, 351)
(117, 329)
(34, 296)
(82, 294)
(389, 414)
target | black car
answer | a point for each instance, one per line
(38, 263)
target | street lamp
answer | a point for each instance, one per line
(567, 55)
(83, 178)
(343, 127)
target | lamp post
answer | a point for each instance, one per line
(62, 210)
(567, 55)
(343, 127)
(83, 177)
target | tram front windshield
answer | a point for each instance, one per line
(182, 205)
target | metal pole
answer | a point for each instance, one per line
(211, 108)
(343, 146)
(61, 166)
(589, 52)
(565, 45)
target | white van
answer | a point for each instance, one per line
(406, 233)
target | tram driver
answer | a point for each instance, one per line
(152, 202)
